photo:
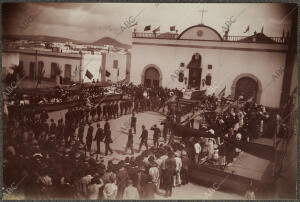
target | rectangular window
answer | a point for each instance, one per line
(40, 67)
(31, 70)
(115, 64)
(54, 67)
(21, 66)
(68, 69)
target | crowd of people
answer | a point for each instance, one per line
(55, 158)
(55, 162)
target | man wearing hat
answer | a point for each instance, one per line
(99, 110)
(133, 122)
(184, 168)
(144, 138)
(129, 142)
(52, 127)
(107, 140)
(156, 135)
(59, 131)
(81, 132)
(89, 137)
(99, 137)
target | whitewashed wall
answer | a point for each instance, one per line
(48, 57)
(229, 60)
(9, 60)
(110, 57)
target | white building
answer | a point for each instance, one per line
(73, 66)
(9, 60)
(245, 65)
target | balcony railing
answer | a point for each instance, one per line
(155, 35)
(247, 39)
(256, 39)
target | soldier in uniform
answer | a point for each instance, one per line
(121, 107)
(144, 138)
(110, 111)
(129, 144)
(81, 132)
(125, 104)
(105, 111)
(107, 140)
(89, 137)
(52, 127)
(156, 135)
(99, 111)
(117, 109)
(59, 132)
(133, 122)
(99, 137)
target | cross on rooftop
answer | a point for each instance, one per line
(202, 11)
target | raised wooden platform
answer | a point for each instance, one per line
(236, 177)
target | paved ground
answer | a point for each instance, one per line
(119, 128)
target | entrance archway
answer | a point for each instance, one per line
(247, 85)
(151, 76)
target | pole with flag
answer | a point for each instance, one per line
(156, 30)
(247, 29)
(172, 28)
(222, 93)
(283, 35)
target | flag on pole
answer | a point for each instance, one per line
(107, 73)
(157, 29)
(88, 74)
(222, 93)
(247, 30)
(172, 28)
(147, 28)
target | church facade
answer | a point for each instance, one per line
(200, 58)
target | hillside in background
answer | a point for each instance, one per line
(101, 42)
(111, 41)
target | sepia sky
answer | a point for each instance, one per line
(89, 22)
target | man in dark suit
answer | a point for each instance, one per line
(133, 122)
(52, 127)
(130, 142)
(107, 141)
(89, 138)
(99, 112)
(59, 132)
(81, 132)
(144, 138)
(99, 137)
(156, 135)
